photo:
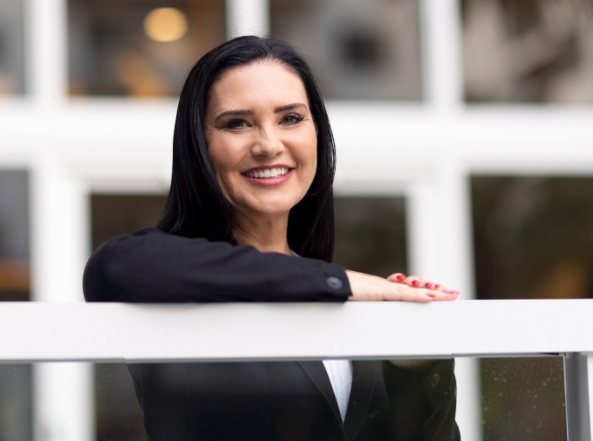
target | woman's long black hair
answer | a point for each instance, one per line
(196, 206)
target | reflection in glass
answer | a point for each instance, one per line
(139, 48)
(14, 235)
(12, 48)
(357, 50)
(528, 51)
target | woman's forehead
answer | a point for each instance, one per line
(264, 83)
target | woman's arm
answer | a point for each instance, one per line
(151, 266)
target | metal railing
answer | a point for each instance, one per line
(37, 332)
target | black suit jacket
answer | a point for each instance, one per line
(260, 401)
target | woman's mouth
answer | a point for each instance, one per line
(267, 173)
(269, 176)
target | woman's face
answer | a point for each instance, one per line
(262, 140)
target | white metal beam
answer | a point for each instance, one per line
(239, 331)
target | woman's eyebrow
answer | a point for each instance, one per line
(288, 107)
(239, 112)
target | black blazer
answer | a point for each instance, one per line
(260, 401)
(294, 401)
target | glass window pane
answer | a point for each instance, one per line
(523, 399)
(139, 48)
(15, 402)
(533, 239)
(118, 415)
(112, 215)
(14, 235)
(357, 50)
(528, 51)
(12, 48)
(371, 234)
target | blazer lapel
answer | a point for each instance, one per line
(363, 384)
(318, 374)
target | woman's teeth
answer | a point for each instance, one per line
(267, 173)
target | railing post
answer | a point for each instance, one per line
(577, 392)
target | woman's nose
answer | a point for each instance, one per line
(267, 143)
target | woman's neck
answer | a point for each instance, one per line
(267, 234)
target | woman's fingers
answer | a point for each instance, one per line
(444, 295)
(397, 278)
(417, 282)
(371, 288)
(405, 293)
(414, 281)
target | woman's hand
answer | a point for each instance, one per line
(396, 287)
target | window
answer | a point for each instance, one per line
(15, 379)
(533, 239)
(139, 48)
(12, 48)
(528, 51)
(14, 235)
(357, 50)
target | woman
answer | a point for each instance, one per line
(249, 217)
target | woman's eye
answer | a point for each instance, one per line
(292, 118)
(236, 124)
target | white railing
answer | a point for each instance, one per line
(35, 332)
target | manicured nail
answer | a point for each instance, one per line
(452, 292)
(432, 296)
(437, 286)
(428, 285)
(401, 277)
(415, 283)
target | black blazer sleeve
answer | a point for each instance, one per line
(152, 266)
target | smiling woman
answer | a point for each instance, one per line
(249, 217)
(264, 155)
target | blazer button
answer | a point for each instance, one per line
(334, 282)
(435, 380)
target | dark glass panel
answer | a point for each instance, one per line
(112, 215)
(14, 235)
(15, 402)
(139, 48)
(533, 239)
(118, 415)
(358, 50)
(371, 234)
(523, 399)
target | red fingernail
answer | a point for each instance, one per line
(452, 292)
(430, 295)
(438, 285)
(415, 282)
(428, 285)
(400, 277)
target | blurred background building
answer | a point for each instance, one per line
(464, 140)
